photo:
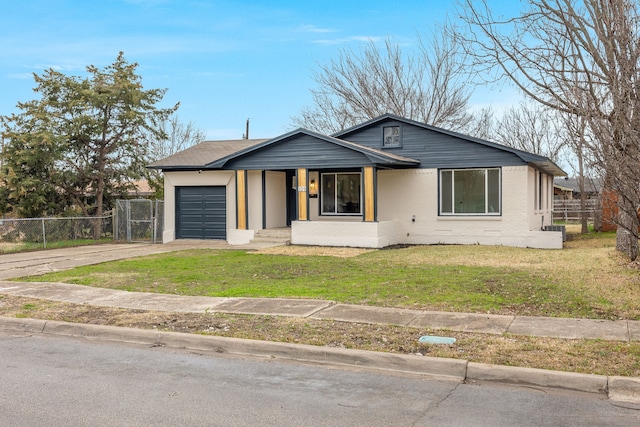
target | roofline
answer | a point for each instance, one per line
(525, 156)
(371, 153)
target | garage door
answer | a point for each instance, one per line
(201, 212)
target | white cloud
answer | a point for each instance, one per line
(343, 40)
(314, 29)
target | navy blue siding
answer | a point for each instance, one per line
(299, 151)
(434, 149)
(201, 212)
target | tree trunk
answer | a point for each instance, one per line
(626, 233)
(583, 196)
(97, 224)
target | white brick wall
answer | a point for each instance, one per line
(407, 212)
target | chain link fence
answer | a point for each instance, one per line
(139, 220)
(43, 231)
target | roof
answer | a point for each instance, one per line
(200, 155)
(375, 156)
(216, 154)
(541, 162)
(591, 185)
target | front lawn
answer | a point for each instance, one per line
(586, 279)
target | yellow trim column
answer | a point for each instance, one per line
(241, 199)
(303, 199)
(369, 195)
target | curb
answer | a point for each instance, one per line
(623, 389)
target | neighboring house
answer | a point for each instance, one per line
(141, 189)
(569, 188)
(387, 181)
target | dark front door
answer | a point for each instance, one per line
(292, 194)
(201, 212)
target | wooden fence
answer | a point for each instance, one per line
(571, 211)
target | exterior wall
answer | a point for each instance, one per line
(434, 149)
(409, 198)
(254, 199)
(276, 202)
(276, 199)
(407, 212)
(180, 179)
(539, 216)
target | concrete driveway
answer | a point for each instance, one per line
(45, 261)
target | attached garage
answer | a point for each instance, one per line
(201, 212)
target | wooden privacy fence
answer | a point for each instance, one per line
(571, 210)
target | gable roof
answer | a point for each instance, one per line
(374, 156)
(541, 162)
(259, 153)
(199, 155)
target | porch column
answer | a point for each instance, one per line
(241, 200)
(303, 199)
(370, 213)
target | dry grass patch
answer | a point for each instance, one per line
(585, 356)
(314, 251)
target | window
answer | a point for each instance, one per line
(470, 192)
(340, 194)
(391, 136)
(540, 191)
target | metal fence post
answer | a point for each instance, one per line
(44, 236)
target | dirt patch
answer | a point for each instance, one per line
(338, 252)
(585, 356)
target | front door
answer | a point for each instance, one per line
(292, 194)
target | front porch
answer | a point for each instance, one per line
(341, 233)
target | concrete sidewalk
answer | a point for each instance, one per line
(618, 330)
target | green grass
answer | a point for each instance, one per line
(32, 246)
(584, 280)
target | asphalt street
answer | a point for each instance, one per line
(22, 264)
(62, 381)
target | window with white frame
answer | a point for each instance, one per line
(341, 193)
(470, 191)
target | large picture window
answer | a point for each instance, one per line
(340, 194)
(470, 192)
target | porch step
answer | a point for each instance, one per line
(273, 235)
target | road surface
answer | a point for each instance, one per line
(57, 381)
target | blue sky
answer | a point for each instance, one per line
(224, 61)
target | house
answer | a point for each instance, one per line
(384, 182)
(569, 188)
(568, 206)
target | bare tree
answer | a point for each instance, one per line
(531, 128)
(428, 87)
(482, 125)
(180, 136)
(580, 57)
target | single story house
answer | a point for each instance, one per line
(384, 182)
